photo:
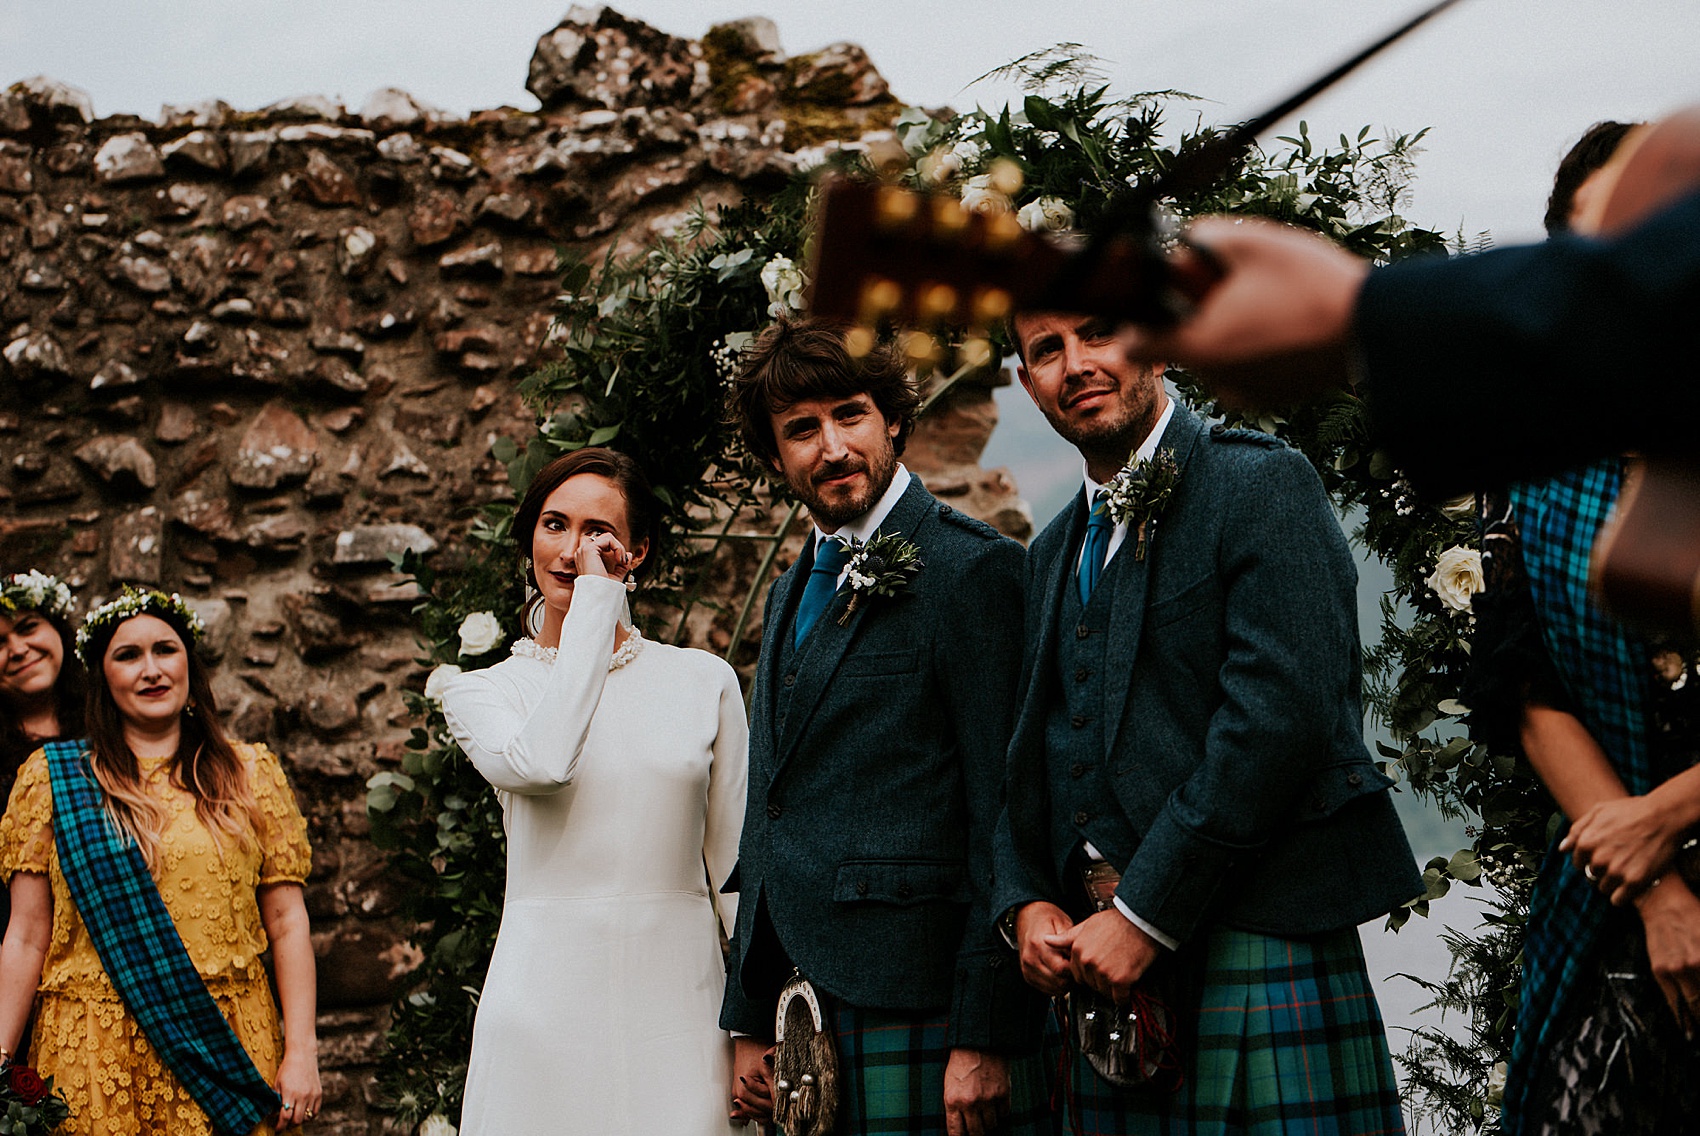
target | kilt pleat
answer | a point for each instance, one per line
(1289, 1041)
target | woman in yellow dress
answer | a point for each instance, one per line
(143, 1034)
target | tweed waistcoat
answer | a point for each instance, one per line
(1082, 799)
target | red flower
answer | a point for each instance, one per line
(27, 1083)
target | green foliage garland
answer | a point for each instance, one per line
(647, 346)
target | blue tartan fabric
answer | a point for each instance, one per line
(143, 954)
(891, 1077)
(1596, 659)
(1289, 1042)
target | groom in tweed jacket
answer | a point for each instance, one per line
(877, 744)
(1191, 720)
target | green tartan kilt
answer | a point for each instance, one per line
(1289, 1041)
(891, 1077)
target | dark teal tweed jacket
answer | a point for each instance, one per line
(868, 833)
(1243, 793)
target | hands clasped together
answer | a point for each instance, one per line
(1627, 846)
(1106, 952)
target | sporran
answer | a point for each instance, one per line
(805, 1063)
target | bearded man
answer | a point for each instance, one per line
(1192, 812)
(879, 724)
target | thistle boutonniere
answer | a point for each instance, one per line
(883, 566)
(1139, 493)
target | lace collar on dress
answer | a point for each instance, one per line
(622, 655)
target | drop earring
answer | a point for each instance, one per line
(631, 581)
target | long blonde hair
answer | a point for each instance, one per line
(205, 764)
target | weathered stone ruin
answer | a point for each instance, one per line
(249, 354)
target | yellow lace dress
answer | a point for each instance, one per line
(84, 1037)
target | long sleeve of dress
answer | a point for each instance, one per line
(528, 741)
(728, 779)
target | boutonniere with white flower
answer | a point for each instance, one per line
(1139, 492)
(883, 566)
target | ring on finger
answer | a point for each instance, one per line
(1588, 870)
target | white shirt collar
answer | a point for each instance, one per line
(1146, 451)
(865, 526)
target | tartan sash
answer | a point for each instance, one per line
(1603, 670)
(144, 956)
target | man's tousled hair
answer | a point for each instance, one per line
(797, 359)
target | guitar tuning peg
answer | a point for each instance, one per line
(1004, 175)
(880, 297)
(937, 303)
(859, 341)
(991, 306)
(920, 348)
(1003, 232)
(976, 352)
(949, 217)
(895, 208)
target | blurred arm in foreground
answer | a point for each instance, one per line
(1511, 363)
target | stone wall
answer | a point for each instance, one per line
(247, 355)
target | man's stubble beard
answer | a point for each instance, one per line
(881, 468)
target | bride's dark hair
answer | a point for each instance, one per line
(643, 509)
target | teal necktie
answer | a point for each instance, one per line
(1096, 551)
(830, 559)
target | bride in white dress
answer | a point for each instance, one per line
(620, 764)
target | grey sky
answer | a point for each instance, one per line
(1505, 84)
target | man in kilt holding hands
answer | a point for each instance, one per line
(879, 724)
(1192, 814)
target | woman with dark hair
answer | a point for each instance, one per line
(620, 765)
(1611, 723)
(41, 681)
(151, 865)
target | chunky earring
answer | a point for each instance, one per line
(631, 581)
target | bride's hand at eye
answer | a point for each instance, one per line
(601, 555)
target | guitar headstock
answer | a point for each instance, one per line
(890, 256)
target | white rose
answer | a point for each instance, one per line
(439, 678)
(479, 632)
(1457, 577)
(1046, 215)
(784, 283)
(1496, 1083)
(978, 196)
(437, 1125)
(966, 152)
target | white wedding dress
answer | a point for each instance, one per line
(600, 1012)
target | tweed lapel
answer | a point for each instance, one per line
(782, 611)
(829, 641)
(1053, 553)
(1127, 607)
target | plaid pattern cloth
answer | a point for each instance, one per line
(891, 1077)
(1597, 661)
(143, 955)
(1289, 1041)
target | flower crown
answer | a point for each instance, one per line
(133, 602)
(35, 591)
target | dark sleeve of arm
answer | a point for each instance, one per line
(1286, 678)
(979, 667)
(1520, 361)
(1509, 664)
